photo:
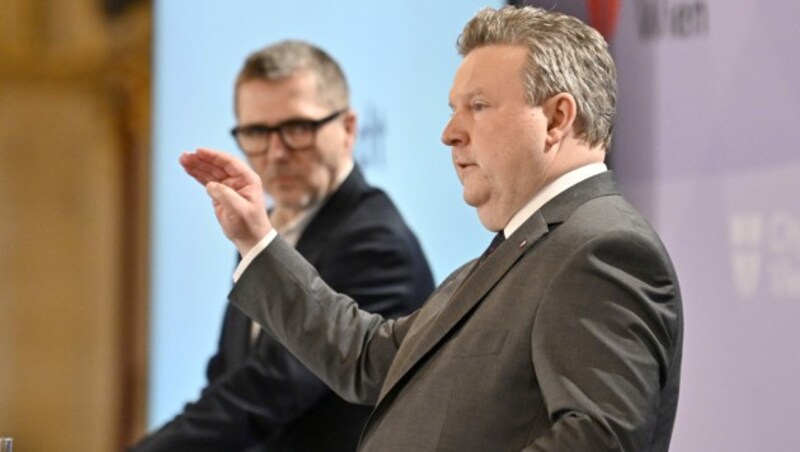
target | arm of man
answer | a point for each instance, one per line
(232, 413)
(348, 348)
(238, 199)
(368, 260)
(604, 342)
(271, 389)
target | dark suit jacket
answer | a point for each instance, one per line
(566, 338)
(265, 399)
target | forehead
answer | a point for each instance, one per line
(490, 69)
(268, 101)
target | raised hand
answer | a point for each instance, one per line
(236, 192)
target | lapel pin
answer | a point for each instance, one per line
(523, 243)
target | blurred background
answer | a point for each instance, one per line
(114, 274)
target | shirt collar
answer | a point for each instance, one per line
(550, 191)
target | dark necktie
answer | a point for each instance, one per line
(496, 241)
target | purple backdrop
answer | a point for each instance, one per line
(706, 147)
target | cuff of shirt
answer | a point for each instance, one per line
(253, 253)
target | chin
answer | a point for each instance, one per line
(291, 202)
(490, 220)
(474, 198)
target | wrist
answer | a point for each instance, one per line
(253, 252)
(247, 244)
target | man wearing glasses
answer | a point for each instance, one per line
(298, 133)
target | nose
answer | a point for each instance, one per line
(454, 134)
(277, 150)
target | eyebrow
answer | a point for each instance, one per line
(468, 95)
(295, 119)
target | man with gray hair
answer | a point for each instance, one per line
(565, 335)
(297, 131)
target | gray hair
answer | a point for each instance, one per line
(564, 56)
(286, 58)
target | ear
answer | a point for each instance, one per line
(351, 128)
(560, 111)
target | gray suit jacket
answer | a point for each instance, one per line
(567, 337)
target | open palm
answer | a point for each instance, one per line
(236, 192)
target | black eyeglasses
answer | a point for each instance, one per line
(295, 134)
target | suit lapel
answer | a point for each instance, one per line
(476, 286)
(312, 240)
(463, 299)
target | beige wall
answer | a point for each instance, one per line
(74, 147)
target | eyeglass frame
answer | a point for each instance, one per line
(315, 125)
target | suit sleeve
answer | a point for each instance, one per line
(603, 340)
(235, 412)
(348, 348)
(245, 405)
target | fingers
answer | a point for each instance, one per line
(229, 164)
(234, 206)
(208, 165)
(244, 221)
(236, 193)
(201, 170)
